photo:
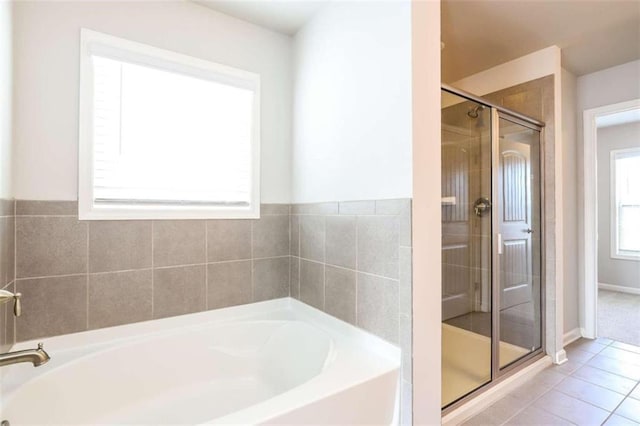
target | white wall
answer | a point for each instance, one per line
(427, 211)
(617, 272)
(352, 103)
(46, 77)
(610, 86)
(6, 62)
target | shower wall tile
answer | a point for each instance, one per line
(179, 290)
(119, 245)
(178, 242)
(270, 278)
(228, 284)
(50, 245)
(117, 298)
(228, 240)
(127, 271)
(50, 306)
(7, 322)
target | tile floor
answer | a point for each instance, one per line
(599, 385)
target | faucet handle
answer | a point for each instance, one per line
(17, 305)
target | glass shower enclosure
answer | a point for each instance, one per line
(492, 298)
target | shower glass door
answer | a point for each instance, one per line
(491, 244)
(518, 261)
(466, 247)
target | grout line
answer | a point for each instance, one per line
(15, 267)
(206, 269)
(152, 266)
(356, 273)
(87, 267)
(252, 263)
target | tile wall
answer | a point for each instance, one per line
(349, 259)
(7, 263)
(353, 261)
(81, 275)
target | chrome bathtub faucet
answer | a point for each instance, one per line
(35, 356)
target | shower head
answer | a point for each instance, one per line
(474, 112)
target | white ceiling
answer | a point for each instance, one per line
(286, 16)
(593, 34)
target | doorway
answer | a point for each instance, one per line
(611, 223)
(492, 289)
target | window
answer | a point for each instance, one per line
(625, 208)
(164, 135)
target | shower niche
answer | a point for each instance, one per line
(492, 298)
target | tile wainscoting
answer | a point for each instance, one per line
(353, 261)
(7, 275)
(350, 259)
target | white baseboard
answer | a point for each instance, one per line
(619, 288)
(571, 336)
(491, 395)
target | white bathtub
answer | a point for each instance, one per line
(278, 362)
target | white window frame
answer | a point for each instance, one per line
(615, 253)
(90, 41)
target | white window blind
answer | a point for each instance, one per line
(165, 132)
(626, 203)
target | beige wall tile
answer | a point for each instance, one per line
(357, 207)
(228, 284)
(312, 283)
(7, 250)
(340, 249)
(378, 306)
(46, 208)
(228, 240)
(119, 298)
(312, 237)
(294, 230)
(180, 290)
(270, 236)
(7, 207)
(50, 246)
(340, 293)
(178, 242)
(119, 245)
(294, 277)
(269, 209)
(378, 245)
(270, 278)
(315, 208)
(52, 306)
